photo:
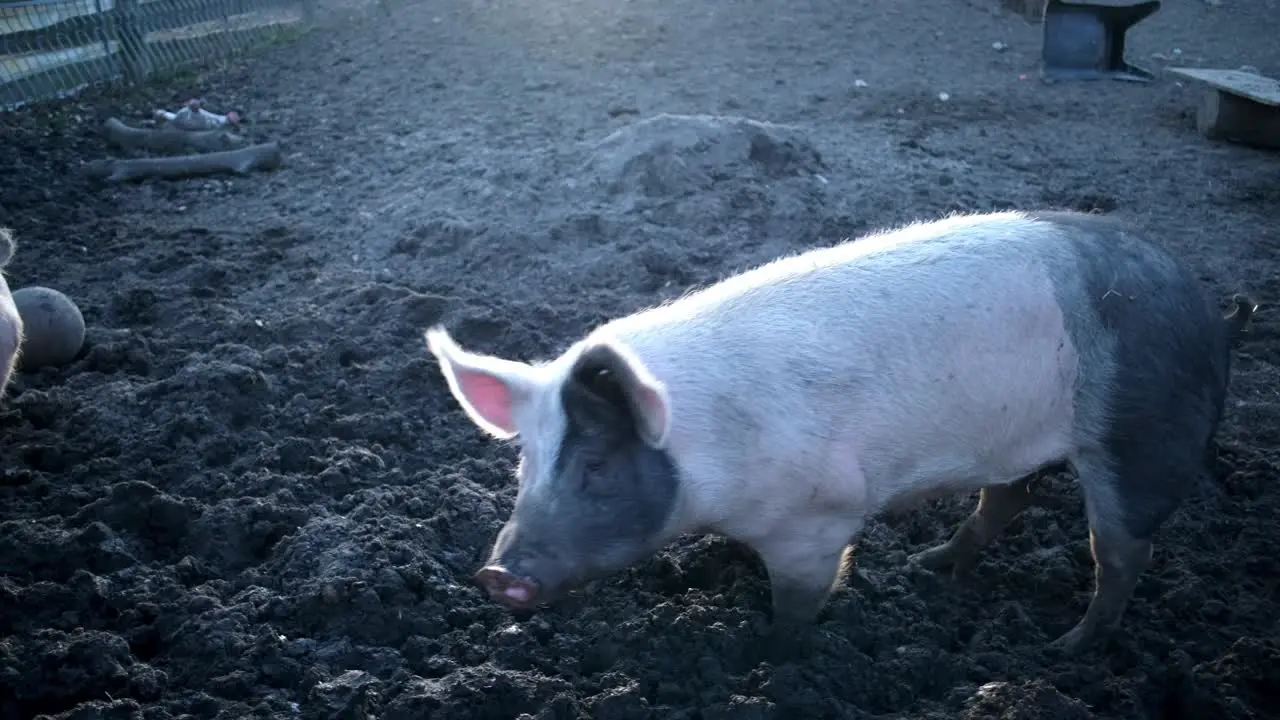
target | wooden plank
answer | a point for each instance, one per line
(1105, 3)
(224, 30)
(152, 16)
(196, 50)
(15, 67)
(169, 14)
(50, 83)
(1033, 10)
(157, 15)
(1238, 106)
(70, 33)
(1258, 88)
(1227, 116)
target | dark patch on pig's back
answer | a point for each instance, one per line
(1166, 345)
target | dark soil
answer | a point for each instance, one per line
(253, 496)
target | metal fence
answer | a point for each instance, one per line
(53, 48)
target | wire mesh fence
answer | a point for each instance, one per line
(53, 48)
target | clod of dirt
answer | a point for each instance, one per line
(1232, 684)
(53, 328)
(668, 156)
(346, 696)
(1024, 701)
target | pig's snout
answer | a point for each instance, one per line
(508, 588)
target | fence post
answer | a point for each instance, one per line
(103, 26)
(133, 46)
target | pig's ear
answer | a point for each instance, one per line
(488, 388)
(645, 396)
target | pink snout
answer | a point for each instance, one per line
(508, 588)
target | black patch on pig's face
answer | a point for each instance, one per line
(614, 493)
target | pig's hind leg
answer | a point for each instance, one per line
(1150, 458)
(1160, 417)
(998, 505)
(1121, 551)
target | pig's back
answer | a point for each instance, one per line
(934, 351)
(862, 307)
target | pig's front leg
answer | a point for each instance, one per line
(804, 563)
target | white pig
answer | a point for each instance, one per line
(10, 321)
(785, 406)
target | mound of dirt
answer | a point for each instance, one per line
(757, 186)
(671, 156)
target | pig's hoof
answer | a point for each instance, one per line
(935, 559)
(1074, 642)
(945, 557)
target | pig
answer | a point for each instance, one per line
(11, 329)
(784, 406)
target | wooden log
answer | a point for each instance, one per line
(170, 141)
(243, 161)
(1227, 116)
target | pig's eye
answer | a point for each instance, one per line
(603, 384)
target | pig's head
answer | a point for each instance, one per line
(597, 490)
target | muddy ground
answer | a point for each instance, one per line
(252, 495)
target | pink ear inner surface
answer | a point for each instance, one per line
(488, 395)
(654, 410)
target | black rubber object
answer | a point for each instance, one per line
(1085, 40)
